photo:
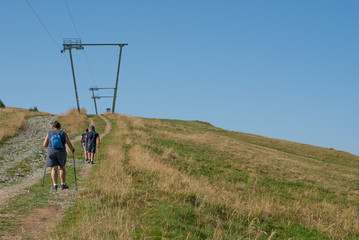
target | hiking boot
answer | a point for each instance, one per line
(55, 188)
(64, 187)
(92, 162)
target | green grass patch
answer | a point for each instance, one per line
(99, 124)
(8, 225)
(200, 159)
(23, 168)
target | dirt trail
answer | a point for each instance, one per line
(108, 127)
(38, 222)
(42, 220)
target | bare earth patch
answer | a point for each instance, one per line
(41, 221)
(85, 171)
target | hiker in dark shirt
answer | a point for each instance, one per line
(55, 141)
(91, 139)
(83, 140)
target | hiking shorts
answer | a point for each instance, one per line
(91, 148)
(55, 158)
(84, 146)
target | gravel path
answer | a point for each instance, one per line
(22, 158)
(21, 155)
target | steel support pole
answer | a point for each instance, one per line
(118, 73)
(73, 74)
(94, 100)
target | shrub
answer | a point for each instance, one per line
(2, 105)
(34, 109)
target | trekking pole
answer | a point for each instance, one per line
(98, 154)
(43, 179)
(73, 157)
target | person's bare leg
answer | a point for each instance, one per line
(54, 174)
(63, 174)
(92, 157)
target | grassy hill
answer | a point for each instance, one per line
(12, 119)
(171, 179)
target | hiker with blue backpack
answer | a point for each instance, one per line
(55, 142)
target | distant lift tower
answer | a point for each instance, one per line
(93, 89)
(70, 43)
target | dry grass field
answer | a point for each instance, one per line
(73, 122)
(12, 119)
(171, 179)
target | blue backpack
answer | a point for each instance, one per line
(56, 140)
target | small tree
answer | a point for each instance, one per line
(2, 105)
(34, 109)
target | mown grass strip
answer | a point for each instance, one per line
(99, 123)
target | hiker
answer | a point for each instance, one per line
(83, 141)
(55, 142)
(91, 139)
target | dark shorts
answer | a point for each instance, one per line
(55, 158)
(91, 148)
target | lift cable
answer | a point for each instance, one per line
(78, 35)
(48, 32)
(72, 19)
(42, 23)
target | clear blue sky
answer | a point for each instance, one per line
(282, 69)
